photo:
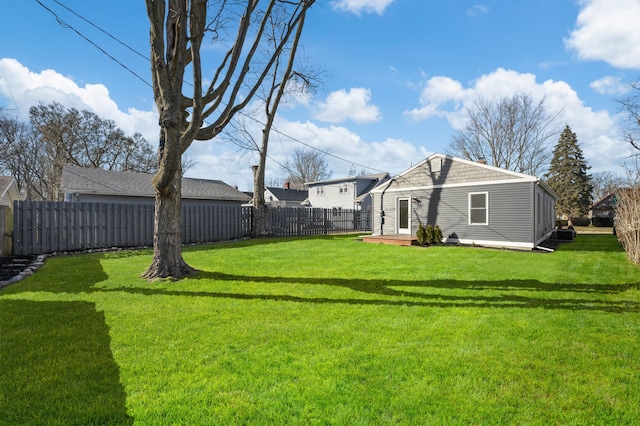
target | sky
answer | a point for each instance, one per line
(399, 75)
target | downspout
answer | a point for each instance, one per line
(382, 205)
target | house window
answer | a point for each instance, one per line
(344, 188)
(319, 190)
(478, 208)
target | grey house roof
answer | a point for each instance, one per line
(291, 195)
(374, 177)
(108, 182)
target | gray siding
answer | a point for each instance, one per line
(445, 171)
(510, 212)
(545, 214)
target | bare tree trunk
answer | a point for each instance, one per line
(260, 209)
(177, 29)
(167, 234)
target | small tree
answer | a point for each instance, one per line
(627, 226)
(430, 234)
(627, 214)
(568, 177)
(437, 234)
(421, 235)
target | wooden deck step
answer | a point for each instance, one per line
(399, 240)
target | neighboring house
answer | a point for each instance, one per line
(473, 203)
(8, 194)
(98, 185)
(8, 191)
(283, 197)
(350, 193)
(604, 208)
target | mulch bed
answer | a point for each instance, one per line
(12, 266)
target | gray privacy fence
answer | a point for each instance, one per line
(42, 227)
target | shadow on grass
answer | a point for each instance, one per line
(491, 294)
(414, 297)
(57, 366)
(71, 274)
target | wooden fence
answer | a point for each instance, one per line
(42, 227)
(6, 229)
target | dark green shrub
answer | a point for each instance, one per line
(430, 235)
(437, 234)
(421, 235)
(581, 221)
(602, 221)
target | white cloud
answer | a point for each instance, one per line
(25, 88)
(608, 30)
(215, 160)
(342, 146)
(357, 7)
(352, 105)
(610, 85)
(597, 131)
(477, 9)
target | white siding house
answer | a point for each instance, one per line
(349, 193)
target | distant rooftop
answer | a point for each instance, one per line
(108, 182)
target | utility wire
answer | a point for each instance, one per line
(64, 24)
(143, 56)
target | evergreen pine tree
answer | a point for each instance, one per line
(568, 177)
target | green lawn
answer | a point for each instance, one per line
(327, 330)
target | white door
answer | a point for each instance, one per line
(403, 215)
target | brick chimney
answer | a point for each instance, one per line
(287, 185)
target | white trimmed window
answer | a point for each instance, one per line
(478, 208)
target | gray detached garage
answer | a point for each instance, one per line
(473, 203)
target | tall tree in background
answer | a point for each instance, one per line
(20, 156)
(306, 166)
(510, 132)
(35, 152)
(177, 30)
(568, 177)
(283, 80)
(631, 107)
(605, 183)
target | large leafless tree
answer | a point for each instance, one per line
(177, 31)
(288, 77)
(306, 165)
(631, 107)
(605, 183)
(56, 136)
(513, 133)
